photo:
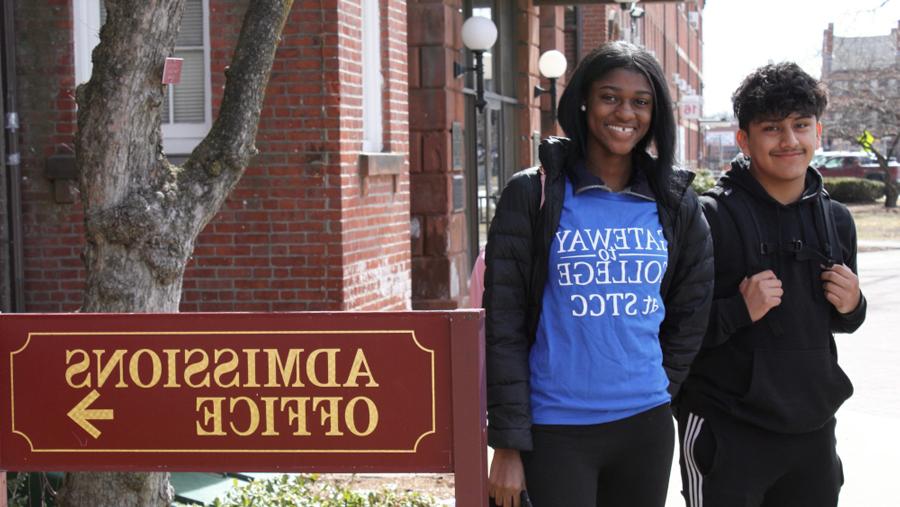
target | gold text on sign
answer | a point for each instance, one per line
(236, 369)
(226, 368)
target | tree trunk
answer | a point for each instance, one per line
(890, 184)
(890, 190)
(142, 214)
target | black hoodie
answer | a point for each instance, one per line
(781, 372)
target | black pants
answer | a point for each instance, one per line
(726, 463)
(619, 464)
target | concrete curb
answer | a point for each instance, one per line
(873, 245)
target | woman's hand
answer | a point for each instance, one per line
(507, 478)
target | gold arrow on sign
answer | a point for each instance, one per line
(81, 413)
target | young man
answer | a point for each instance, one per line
(756, 414)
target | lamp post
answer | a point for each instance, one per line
(552, 65)
(636, 12)
(478, 35)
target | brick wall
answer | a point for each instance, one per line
(528, 51)
(53, 231)
(303, 230)
(552, 36)
(664, 30)
(440, 262)
(441, 259)
(594, 27)
(375, 209)
(275, 245)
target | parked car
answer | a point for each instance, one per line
(856, 164)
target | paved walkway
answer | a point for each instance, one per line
(876, 245)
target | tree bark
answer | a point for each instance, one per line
(890, 185)
(142, 214)
(891, 191)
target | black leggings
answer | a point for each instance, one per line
(618, 464)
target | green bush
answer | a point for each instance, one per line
(854, 189)
(703, 181)
(32, 489)
(311, 491)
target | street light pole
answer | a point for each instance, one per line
(552, 65)
(478, 34)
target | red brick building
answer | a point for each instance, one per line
(672, 31)
(376, 176)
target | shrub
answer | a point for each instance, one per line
(854, 189)
(311, 491)
(703, 181)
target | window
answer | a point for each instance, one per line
(372, 80)
(187, 111)
(491, 142)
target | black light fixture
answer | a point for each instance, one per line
(552, 65)
(633, 9)
(478, 35)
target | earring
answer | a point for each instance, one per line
(583, 107)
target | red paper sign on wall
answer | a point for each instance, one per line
(172, 70)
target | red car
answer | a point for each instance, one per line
(856, 164)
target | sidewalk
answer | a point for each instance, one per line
(874, 245)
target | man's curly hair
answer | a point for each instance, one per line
(775, 91)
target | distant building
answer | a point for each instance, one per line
(672, 31)
(862, 75)
(720, 144)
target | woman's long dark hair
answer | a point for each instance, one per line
(601, 61)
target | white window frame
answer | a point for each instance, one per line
(86, 28)
(372, 79)
(178, 138)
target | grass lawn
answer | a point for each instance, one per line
(875, 222)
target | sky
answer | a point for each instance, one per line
(741, 35)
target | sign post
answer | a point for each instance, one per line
(292, 392)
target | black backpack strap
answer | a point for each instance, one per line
(536, 208)
(828, 252)
(757, 252)
(832, 244)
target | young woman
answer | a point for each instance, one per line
(597, 300)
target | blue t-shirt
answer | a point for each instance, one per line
(597, 356)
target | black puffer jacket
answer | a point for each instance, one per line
(516, 272)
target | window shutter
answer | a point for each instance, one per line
(189, 96)
(191, 33)
(190, 93)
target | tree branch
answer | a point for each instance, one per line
(219, 160)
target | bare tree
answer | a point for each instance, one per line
(864, 96)
(142, 213)
(868, 142)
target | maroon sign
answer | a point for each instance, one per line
(172, 70)
(321, 392)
